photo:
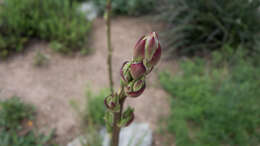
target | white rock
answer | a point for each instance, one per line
(137, 134)
(79, 141)
(89, 9)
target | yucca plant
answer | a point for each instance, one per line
(206, 25)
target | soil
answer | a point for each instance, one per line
(50, 88)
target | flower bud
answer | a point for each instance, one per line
(127, 117)
(110, 101)
(156, 56)
(152, 51)
(131, 119)
(139, 50)
(125, 72)
(135, 88)
(137, 70)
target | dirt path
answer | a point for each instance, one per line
(51, 88)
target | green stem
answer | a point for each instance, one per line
(117, 117)
(110, 50)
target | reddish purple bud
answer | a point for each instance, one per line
(137, 70)
(152, 51)
(139, 49)
(135, 88)
(125, 72)
(150, 47)
(156, 57)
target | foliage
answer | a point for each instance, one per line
(13, 111)
(13, 114)
(198, 26)
(127, 7)
(49, 20)
(12, 138)
(213, 106)
(95, 109)
(92, 115)
(40, 59)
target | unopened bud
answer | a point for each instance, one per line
(137, 70)
(135, 88)
(139, 49)
(125, 72)
(148, 51)
(127, 117)
(152, 51)
(131, 119)
(110, 101)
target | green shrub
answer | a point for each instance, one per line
(58, 21)
(214, 106)
(95, 109)
(13, 111)
(13, 116)
(32, 138)
(199, 26)
(127, 7)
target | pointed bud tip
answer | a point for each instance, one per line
(140, 39)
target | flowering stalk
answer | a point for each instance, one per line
(147, 53)
(109, 57)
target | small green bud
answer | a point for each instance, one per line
(127, 117)
(135, 88)
(111, 101)
(125, 72)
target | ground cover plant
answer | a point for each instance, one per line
(56, 21)
(199, 26)
(17, 127)
(216, 104)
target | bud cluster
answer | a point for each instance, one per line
(147, 53)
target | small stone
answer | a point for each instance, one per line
(79, 141)
(137, 134)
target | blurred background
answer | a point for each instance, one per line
(53, 71)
